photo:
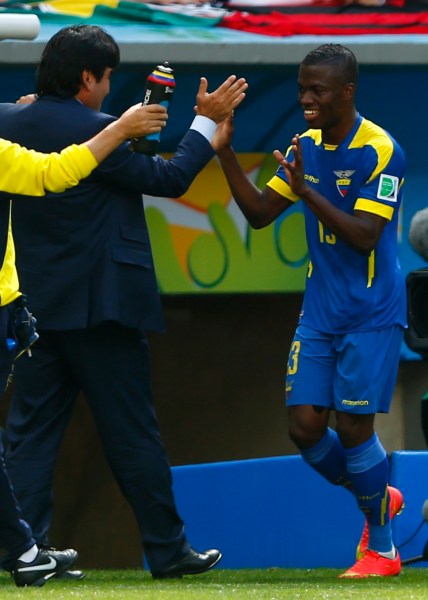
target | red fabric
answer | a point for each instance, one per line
(266, 4)
(279, 24)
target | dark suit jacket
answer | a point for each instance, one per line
(84, 256)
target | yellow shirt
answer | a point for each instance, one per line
(32, 173)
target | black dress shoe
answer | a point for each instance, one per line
(70, 575)
(191, 564)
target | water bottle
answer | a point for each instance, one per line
(159, 89)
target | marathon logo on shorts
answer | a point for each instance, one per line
(355, 402)
(343, 181)
(388, 188)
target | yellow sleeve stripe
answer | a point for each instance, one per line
(375, 208)
(371, 269)
(373, 135)
(280, 186)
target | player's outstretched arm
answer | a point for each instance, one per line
(260, 207)
(361, 230)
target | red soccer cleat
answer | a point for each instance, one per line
(374, 565)
(396, 505)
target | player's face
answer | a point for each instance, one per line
(327, 101)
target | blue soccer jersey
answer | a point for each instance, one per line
(347, 291)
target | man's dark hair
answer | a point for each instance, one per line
(336, 55)
(70, 52)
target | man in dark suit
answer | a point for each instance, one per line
(86, 264)
(25, 171)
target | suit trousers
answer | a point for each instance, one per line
(15, 533)
(110, 364)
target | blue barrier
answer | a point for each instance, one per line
(278, 512)
(409, 473)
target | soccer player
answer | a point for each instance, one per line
(348, 174)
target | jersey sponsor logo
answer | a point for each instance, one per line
(311, 178)
(369, 497)
(355, 402)
(343, 181)
(288, 386)
(388, 188)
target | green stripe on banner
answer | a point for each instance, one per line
(125, 13)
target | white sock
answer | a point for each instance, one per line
(391, 554)
(29, 555)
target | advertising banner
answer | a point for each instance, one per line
(202, 242)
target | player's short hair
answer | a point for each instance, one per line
(71, 51)
(337, 55)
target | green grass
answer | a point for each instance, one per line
(246, 584)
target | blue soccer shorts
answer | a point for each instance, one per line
(352, 372)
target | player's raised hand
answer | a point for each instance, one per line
(223, 135)
(219, 104)
(294, 170)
